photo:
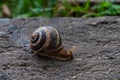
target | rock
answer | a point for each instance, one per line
(3, 76)
(3, 34)
(4, 20)
(96, 57)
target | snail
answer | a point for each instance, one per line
(46, 41)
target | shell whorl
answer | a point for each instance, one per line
(45, 39)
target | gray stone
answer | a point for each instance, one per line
(97, 56)
(3, 34)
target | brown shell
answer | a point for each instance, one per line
(45, 39)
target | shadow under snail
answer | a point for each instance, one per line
(46, 41)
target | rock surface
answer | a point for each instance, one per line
(97, 56)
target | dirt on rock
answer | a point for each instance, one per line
(97, 56)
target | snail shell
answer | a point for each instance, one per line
(46, 41)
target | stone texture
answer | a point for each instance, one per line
(97, 56)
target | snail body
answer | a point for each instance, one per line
(46, 41)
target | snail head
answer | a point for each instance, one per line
(63, 54)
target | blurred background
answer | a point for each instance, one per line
(58, 8)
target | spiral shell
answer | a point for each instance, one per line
(45, 39)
